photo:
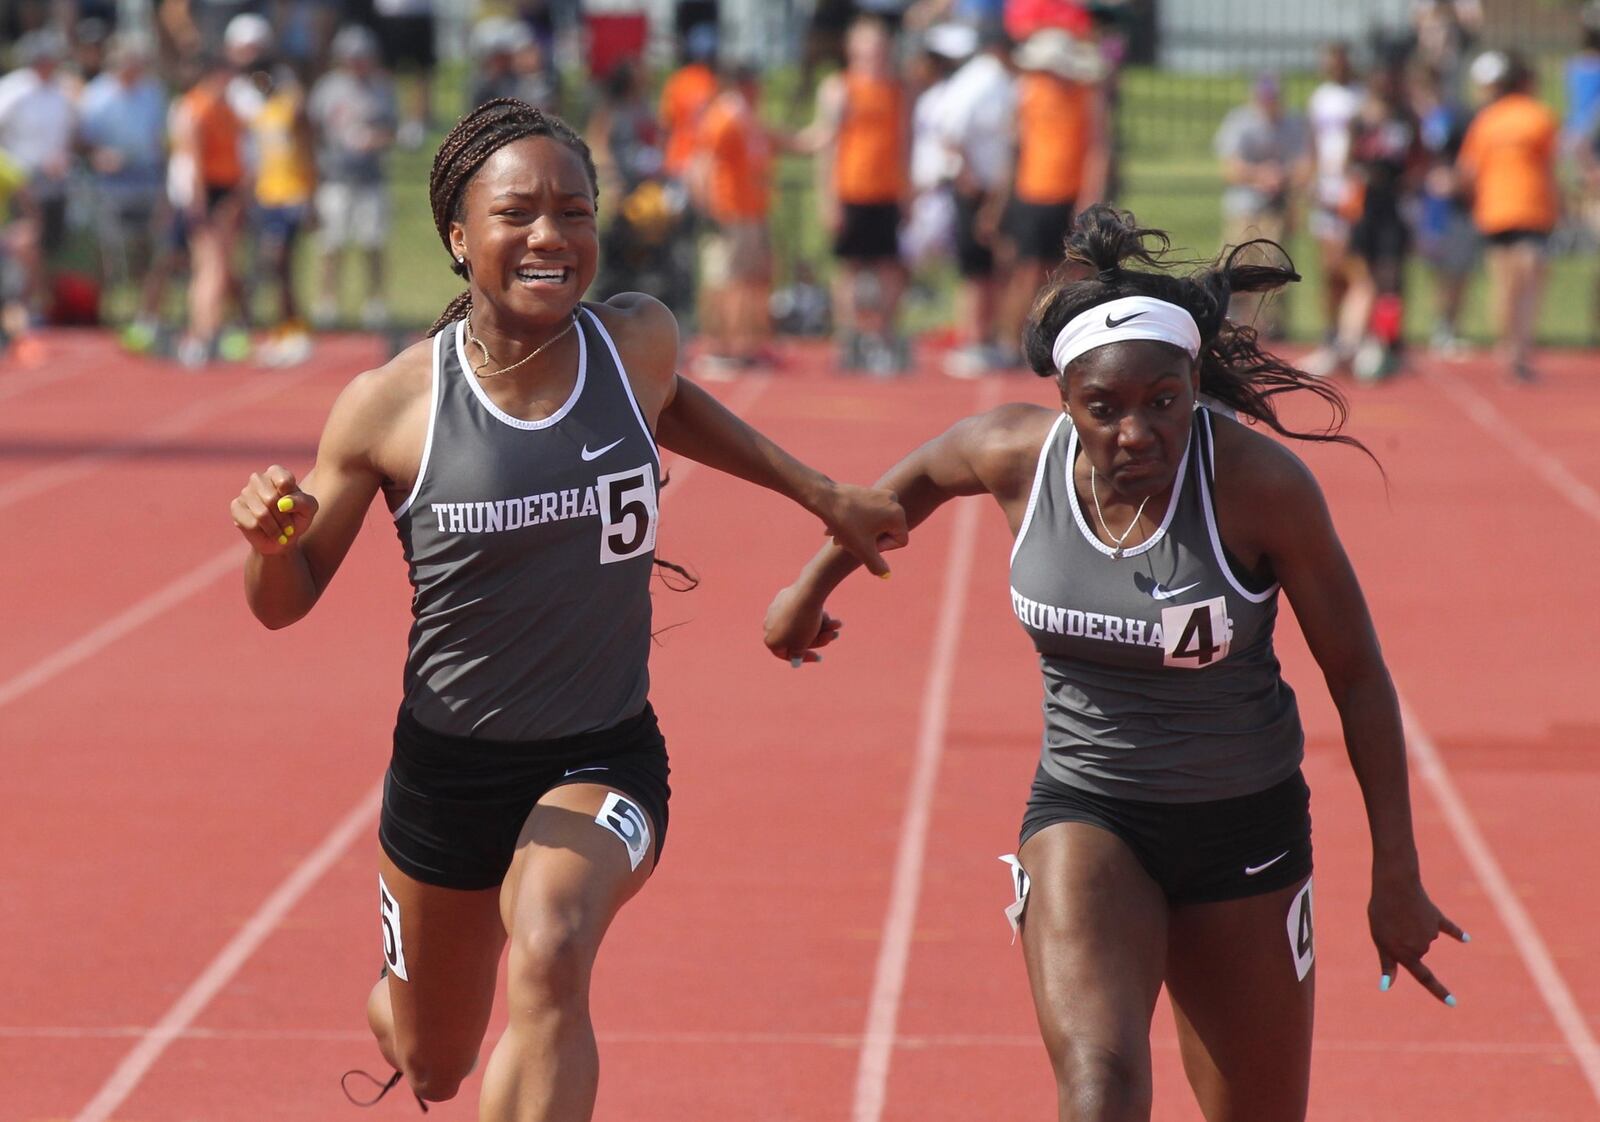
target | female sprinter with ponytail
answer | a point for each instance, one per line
(526, 798)
(1167, 837)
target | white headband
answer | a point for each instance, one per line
(1131, 317)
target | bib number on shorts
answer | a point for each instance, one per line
(622, 816)
(1302, 940)
(627, 514)
(1196, 635)
(394, 950)
(1020, 884)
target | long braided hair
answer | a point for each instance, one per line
(476, 137)
(1234, 369)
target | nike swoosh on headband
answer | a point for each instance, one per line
(1119, 322)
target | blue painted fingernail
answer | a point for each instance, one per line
(1465, 938)
(1450, 1000)
(795, 662)
(819, 658)
(1384, 983)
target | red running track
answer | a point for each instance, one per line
(188, 907)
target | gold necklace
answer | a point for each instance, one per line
(473, 340)
(1116, 554)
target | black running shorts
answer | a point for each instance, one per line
(453, 806)
(1197, 852)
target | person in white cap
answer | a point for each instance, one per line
(1166, 842)
(1060, 137)
(354, 111)
(929, 231)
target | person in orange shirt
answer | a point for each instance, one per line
(207, 135)
(1061, 162)
(1507, 162)
(731, 177)
(684, 97)
(861, 136)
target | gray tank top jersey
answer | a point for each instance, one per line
(1160, 680)
(530, 546)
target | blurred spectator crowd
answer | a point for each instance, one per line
(191, 155)
(200, 146)
(1439, 148)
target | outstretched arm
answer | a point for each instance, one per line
(687, 420)
(993, 453)
(1317, 576)
(862, 520)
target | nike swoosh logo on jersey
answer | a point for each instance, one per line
(1252, 870)
(1159, 593)
(598, 452)
(580, 770)
(1119, 322)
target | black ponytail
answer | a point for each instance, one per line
(1234, 369)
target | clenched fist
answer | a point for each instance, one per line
(272, 512)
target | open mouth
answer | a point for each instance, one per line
(536, 275)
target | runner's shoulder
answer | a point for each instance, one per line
(376, 402)
(1003, 443)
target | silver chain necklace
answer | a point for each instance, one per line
(1116, 554)
(477, 368)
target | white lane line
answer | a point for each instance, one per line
(230, 961)
(894, 952)
(1536, 956)
(152, 606)
(1558, 998)
(46, 478)
(138, 1062)
(1482, 412)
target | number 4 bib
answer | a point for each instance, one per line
(1196, 635)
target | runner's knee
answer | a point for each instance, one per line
(436, 1076)
(1100, 1083)
(549, 964)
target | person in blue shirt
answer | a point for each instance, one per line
(123, 126)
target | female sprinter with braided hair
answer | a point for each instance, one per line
(526, 798)
(1167, 837)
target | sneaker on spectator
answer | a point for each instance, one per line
(139, 337)
(972, 361)
(1374, 362)
(193, 353)
(233, 345)
(1324, 362)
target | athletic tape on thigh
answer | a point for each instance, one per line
(622, 816)
(394, 949)
(1302, 941)
(1019, 886)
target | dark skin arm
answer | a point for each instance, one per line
(373, 436)
(993, 453)
(1273, 514)
(689, 421)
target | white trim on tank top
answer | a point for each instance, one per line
(436, 392)
(1161, 530)
(627, 387)
(500, 414)
(1216, 536)
(1038, 481)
